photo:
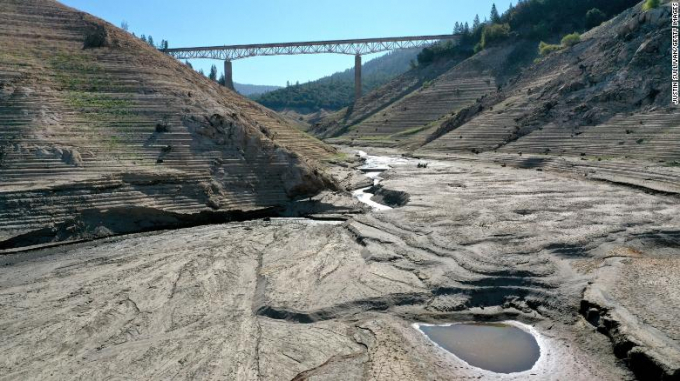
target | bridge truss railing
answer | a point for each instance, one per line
(357, 48)
(349, 47)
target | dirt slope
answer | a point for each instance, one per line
(411, 107)
(338, 123)
(607, 97)
(96, 122)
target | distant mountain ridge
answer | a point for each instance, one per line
(248, 90)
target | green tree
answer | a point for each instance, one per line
(213, 73)
(124, 26)
(476, 23)
(426, 56)
(150, 41)
(494, 33)
(594, 18)
(495, 16)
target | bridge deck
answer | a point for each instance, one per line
(352, 46)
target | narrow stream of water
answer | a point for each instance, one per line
(372, 168)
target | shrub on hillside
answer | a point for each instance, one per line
(594, 18)
(571, 39)
(442, 49)
(426, 56)
(495, 33)
(650, 4)
(545, 49)
(478, 48)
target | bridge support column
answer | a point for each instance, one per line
(228, 75)
(357, 77)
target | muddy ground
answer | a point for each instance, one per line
(592, 266)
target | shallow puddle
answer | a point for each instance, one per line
(500, 348)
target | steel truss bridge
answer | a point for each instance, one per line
(357, 48)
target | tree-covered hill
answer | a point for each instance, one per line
(253, 90)
(337, 91)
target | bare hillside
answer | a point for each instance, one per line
(606, 97)
(96, 124)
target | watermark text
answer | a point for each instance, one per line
(675, 76)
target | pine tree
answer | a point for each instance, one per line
(222, 81)
(201, 72)
(456, 28)
(124, 26)
(476, 23)
(189, 64)
(495, 17)
(213, 73)
(466, 29)
(143, 38)
(150, 41)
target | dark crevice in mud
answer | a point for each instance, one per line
(638, 358)
(95, 223)
(317, 371)
(494, 295)
(508, 281)
(642, 188)
(659, 239)
(391, 198)
(533, 163)
(511, 300)
(344, 309)
(652, 186)
(567, 250)
(92, 224)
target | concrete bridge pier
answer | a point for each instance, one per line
(357, 77)
(228, 75)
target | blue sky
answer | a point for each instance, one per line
(228, 22)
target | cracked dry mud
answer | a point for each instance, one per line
(304, 300)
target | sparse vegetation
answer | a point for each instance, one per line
(651, 4)
(571, 39)
(545, 49)
(101, 102)
(495, 33)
